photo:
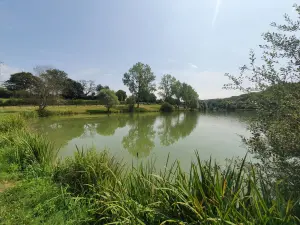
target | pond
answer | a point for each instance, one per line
(139, 137)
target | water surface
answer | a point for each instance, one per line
(139, 137)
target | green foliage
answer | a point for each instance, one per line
(89, 172)
(40, 201)
(108, 98)
(241, 102)
(189, 96)
(99, 87)
(130, 101)
(29, 114)
(145, 196)
(93, 187)
(21, 81)
(121, 95)
(139, 79)
(12, 102)
(4, 93)
(166, 86)
(166, 107)
(177, 91)
(50, 83)
(147, 97)
(28, 149)
(72, 89)
(11, 123)
(275, 129)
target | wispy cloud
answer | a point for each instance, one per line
(217, 11)
(193, 66)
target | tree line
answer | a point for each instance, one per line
(50, 85)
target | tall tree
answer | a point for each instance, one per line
(121, 95)
(88, 86)
(165, 87)
(108, 98)
(188, 95)
(275, 129)
(50, 83)
(177, 91)
(148, 97)
(72, 89)
(4, 93)
(99, 87)
(20, 81)
(139, 79)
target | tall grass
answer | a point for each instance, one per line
(21, 147)
(11, 122)
(207, 194)
(87, 172)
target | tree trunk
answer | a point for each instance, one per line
(42, 107)
(138, 104)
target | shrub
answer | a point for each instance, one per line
(13, 102)
(44, 113)
(166, 107)
(108, 98)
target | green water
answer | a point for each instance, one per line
(139, 137)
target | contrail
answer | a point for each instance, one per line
(217, 10)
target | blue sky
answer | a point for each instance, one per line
(197, 41)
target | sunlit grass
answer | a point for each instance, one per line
(82, 109)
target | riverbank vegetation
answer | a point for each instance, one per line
(50, 86)
(81, 109)
(94, 187)
(276, 127)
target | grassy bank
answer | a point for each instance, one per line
(73, 110)
(95, 188)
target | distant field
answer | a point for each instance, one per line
(72, 109)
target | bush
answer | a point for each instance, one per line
(44, 113)
(13, 102)
(166, 107)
